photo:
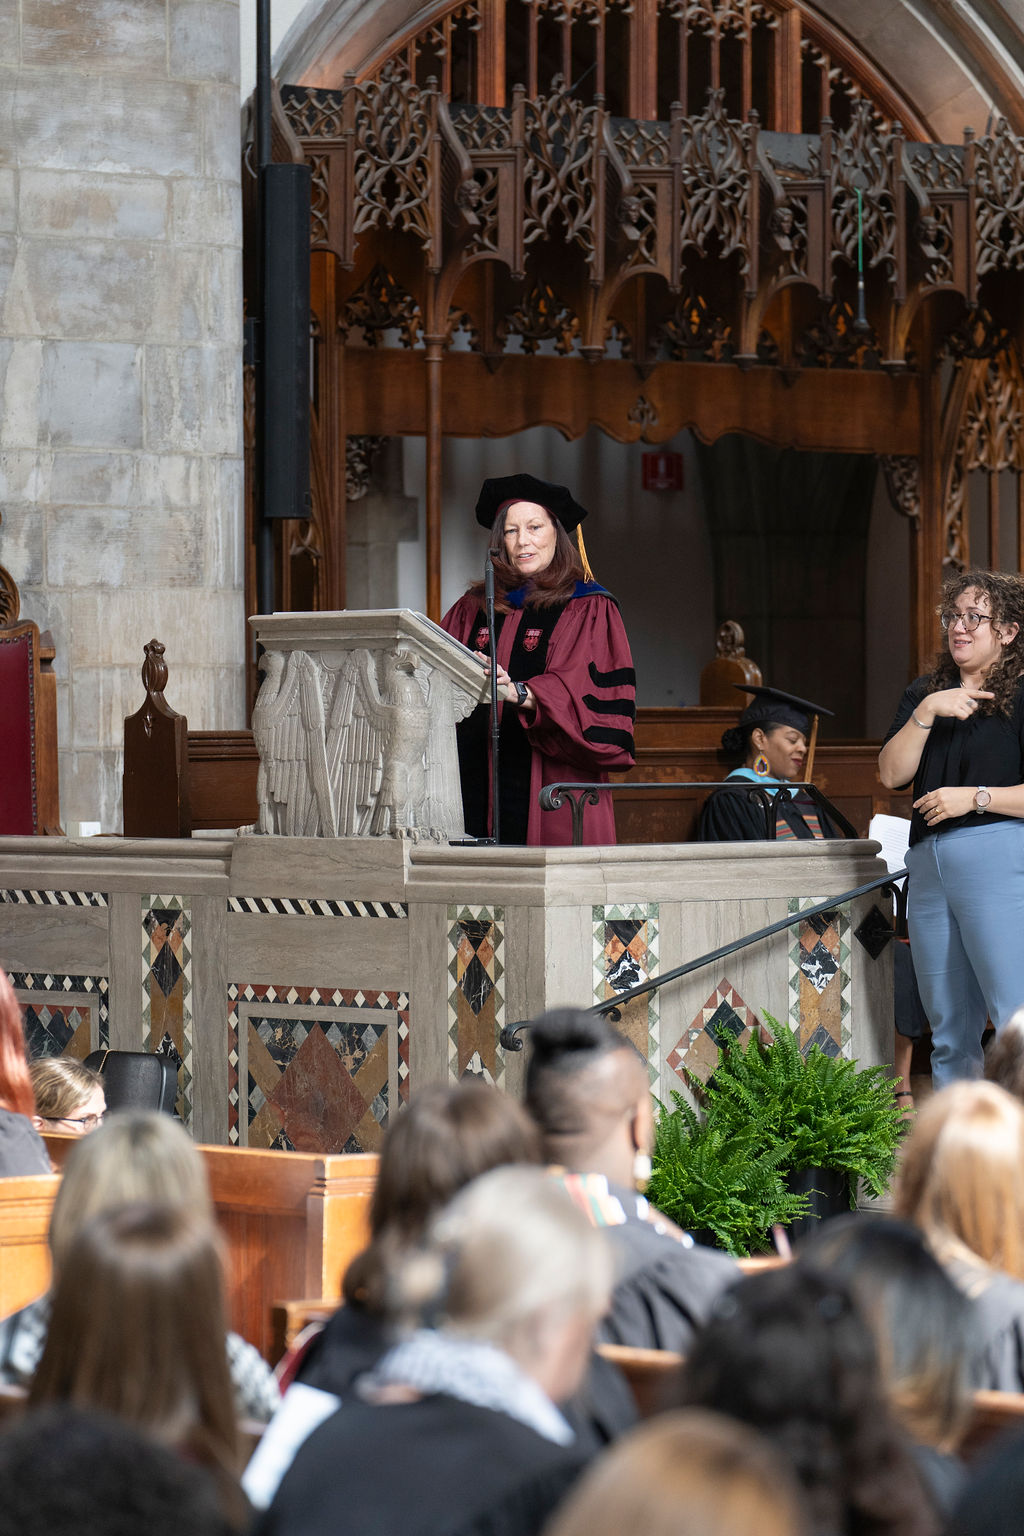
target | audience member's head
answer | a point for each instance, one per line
(15, 1085)
(446, 1137)
(73, 1472)
(1004, 1059)
(920, 1320)
(137, 1329)
(511, 1262)
(787, 1353)
(68, 1095)
(962, 1176)
(587, 1087)
(688, 1473)
(135, 1155)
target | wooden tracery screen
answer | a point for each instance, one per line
(553, 252)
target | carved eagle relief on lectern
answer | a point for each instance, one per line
(349, 746)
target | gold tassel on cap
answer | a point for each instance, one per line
(588, 574)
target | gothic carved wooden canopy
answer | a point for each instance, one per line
(660, 227)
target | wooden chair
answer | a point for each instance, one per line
(177, 781)
(29, 789)
(651, 1374)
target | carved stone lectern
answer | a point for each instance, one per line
(355, 724)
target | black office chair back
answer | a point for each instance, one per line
(136, 1079)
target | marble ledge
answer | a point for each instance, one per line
(199, 867)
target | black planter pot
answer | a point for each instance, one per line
(828, 1193)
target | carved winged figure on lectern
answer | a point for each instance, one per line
(293, 784)
(378, 737)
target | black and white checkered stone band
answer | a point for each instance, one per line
(54, 898)
(300, 906)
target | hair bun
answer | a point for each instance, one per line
(565, 1031)
(734, 741)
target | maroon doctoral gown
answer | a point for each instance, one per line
(577, 661)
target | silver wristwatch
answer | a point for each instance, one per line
(982, 800)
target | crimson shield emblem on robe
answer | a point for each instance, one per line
(531, 639)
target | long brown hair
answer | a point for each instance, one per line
(962, 1177)
(15, 1085)
(138, 1330)
(549, 587)
(1005, 593)
(444, 1139)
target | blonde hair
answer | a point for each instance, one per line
(134, 1156)
(510, 1252)
(962, 1178)
(686, 1473)
(61, 1085)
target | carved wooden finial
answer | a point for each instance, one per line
(10, 600)
(154, 668)
(729, 640)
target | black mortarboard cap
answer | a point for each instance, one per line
(556, 498)
(771, 705)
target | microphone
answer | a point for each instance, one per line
(492, 641)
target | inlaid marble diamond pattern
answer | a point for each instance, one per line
(167, 988)
(697, 1051)
(311, 1068)
(64, 1015)
(626, 955)
(821, 979)
(476, 1002)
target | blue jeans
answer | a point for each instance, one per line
(966, 921)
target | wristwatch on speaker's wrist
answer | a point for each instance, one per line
(522, 694)
(982, 799)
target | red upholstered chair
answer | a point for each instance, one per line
(29, 794)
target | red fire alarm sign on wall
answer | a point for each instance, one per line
(662, 471)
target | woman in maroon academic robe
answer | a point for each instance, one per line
(566, 682)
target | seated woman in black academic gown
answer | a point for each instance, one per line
(771, 738)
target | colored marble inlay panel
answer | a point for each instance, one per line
(314, 1069)
(821, 979)
(64, 1015)
(167, 988)
(626, 955)
(476, 1000)
(726, 1013)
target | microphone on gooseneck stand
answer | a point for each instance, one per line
(492, 642)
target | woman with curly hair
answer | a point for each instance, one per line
(959, 736)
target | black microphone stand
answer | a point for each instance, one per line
(495, 722)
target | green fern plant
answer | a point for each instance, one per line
(768, 1112)
(820, 1111)
(708, 1178)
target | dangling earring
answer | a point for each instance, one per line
(762, 767)
(641, 1170)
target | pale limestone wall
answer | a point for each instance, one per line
(120, 360)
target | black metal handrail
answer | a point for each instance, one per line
(509, 1037)
(553, 796)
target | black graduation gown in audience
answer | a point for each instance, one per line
(350, 1344)
(22, 1149)
(434, 1467)
(665, 1289)
(352, 1341)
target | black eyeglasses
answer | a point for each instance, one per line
(87, 1122)
(949, 618)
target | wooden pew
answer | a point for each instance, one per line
(993, 1414)
(291, 1222)
(651, 1373)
